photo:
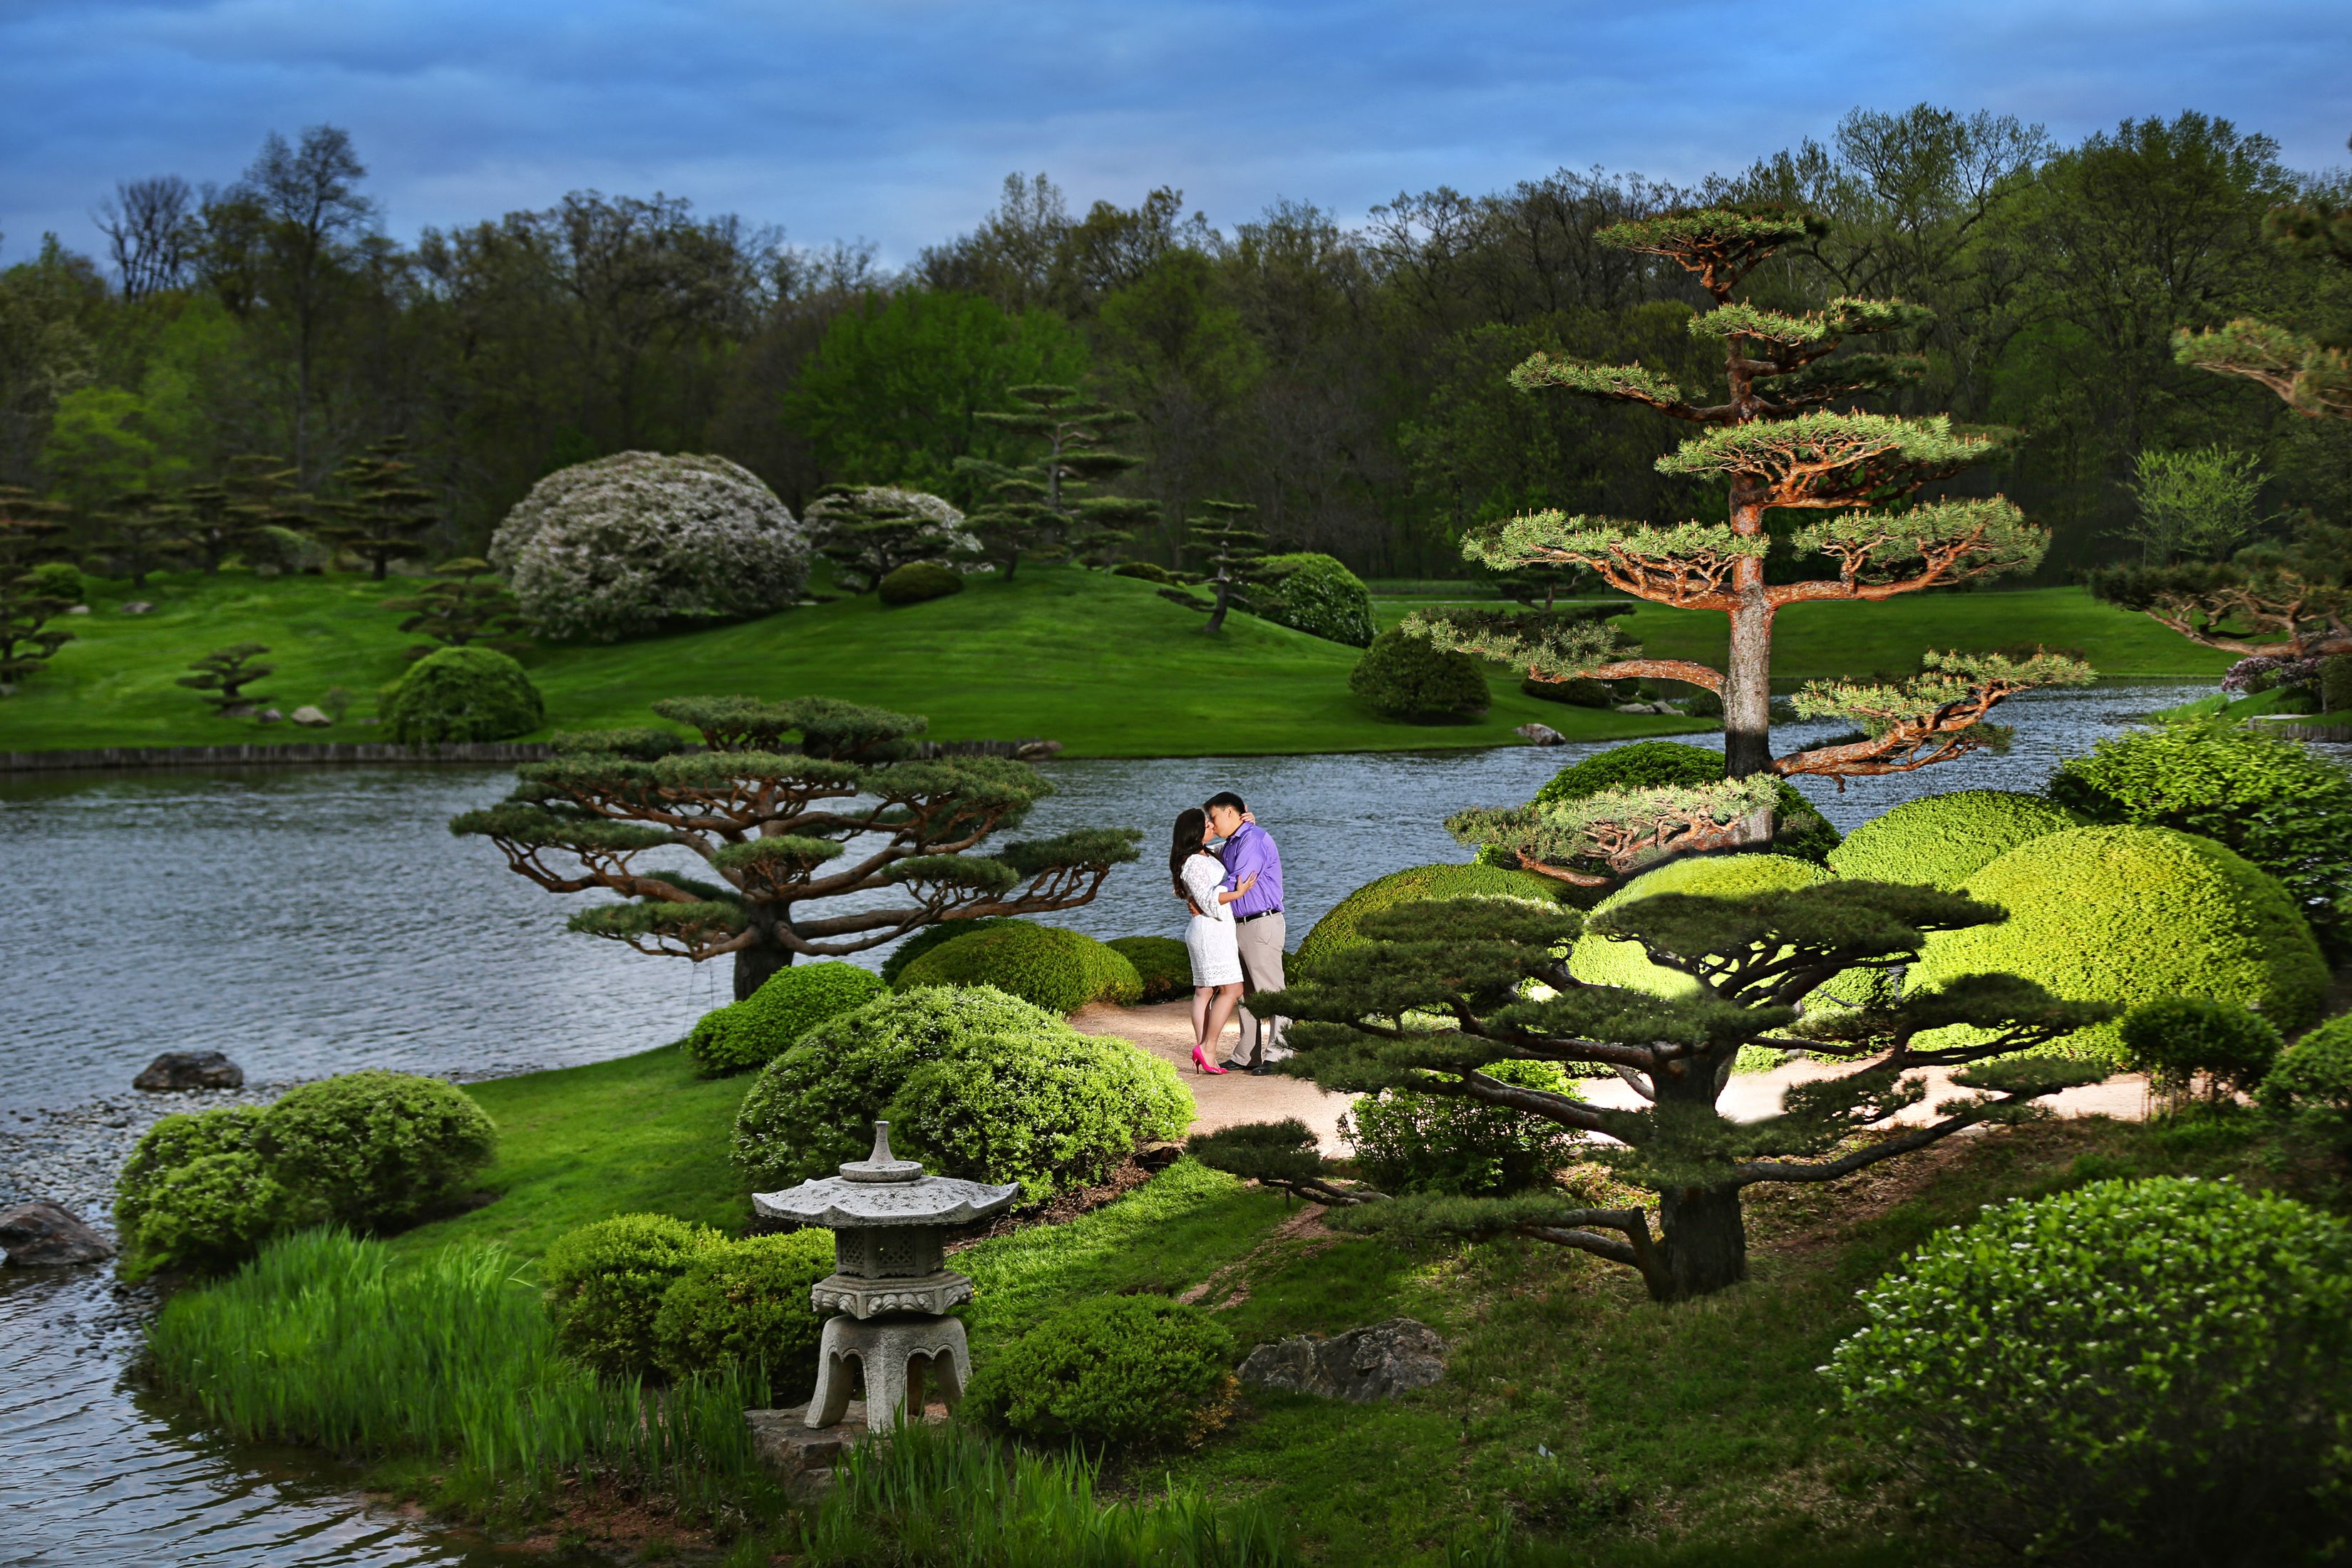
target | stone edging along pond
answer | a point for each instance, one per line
(473, 752)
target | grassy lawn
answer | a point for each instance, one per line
(1102, 664)
(1601, 1427)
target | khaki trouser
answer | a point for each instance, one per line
(1260, 942)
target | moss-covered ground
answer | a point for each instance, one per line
(1100, 663)
(1598, 1427)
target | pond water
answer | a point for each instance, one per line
(310, 921)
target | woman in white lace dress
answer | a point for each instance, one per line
(1209, 937)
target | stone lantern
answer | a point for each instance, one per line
(890, 1291)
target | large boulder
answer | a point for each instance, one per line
(189, 1069)
(1378, 1361)
(47, 1236)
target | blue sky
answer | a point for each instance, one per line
(896, 120)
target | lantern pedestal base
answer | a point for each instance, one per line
(894, 1353)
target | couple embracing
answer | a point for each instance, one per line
(1235, 935)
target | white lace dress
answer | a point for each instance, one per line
(1209, 937)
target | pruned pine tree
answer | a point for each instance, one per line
(463, 603)
(384, 513)
(1107, 527)
(214, 520)
(1229, 551)
(223, 675)
(1040, 508)
(139, 536)
(1443, 990)
(792, 808)
(2313, 372)
(31, 536)
(871, 531)
(1776, 447)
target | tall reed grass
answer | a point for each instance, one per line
(945, 1498)
(321, 1341)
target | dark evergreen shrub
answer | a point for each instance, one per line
(605, 1283)
(2174, 1039)
(377, 1147)
(1576, 693)
(1055, 968)
(2310, 1086)
(2134, 1373)
(462, 694)
(1164, 963)
(975, 1083)
(927, 938)
(918, 580)
(1143, 570)
(1315, 593)
(1408, 1143)
(1121, 1372)
(747, 1300)
(1406, 678)
(753, 1032)
(207, 1214)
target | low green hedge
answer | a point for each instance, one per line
(2083, 1376)
(755, 1031)
(1055, 968)
(1408, 678)
(605, 1283)
(209, 1214)
(1320, 597)
(1126, 1372)
(2310, 1085)
(1164, 963)
(1338, 928)
(747, 1300)
(918, 581)
(2174, 1039)
(973, 1082)
(1940, 841)
(2130, 915)
(929, 937)
(455, 694)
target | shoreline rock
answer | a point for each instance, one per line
(43, 1235)
(189, 1069)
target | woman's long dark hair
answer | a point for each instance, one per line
(1190, 822)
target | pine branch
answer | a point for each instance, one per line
(1931, 718)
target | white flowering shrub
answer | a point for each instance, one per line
(633, 542)
(2133, 1372)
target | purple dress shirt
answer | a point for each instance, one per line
(1250, 849)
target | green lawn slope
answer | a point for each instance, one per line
(1100, 663)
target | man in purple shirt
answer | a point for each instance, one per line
(1257, 918)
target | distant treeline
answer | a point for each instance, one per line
(1349, 382)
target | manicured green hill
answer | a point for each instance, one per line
(1102, 664)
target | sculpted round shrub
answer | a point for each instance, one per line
(1320, 597)
(639, 540)
(1123, 1372)
(2174, 1039)
(2128, 915)
(462, 694)
(2310, 1085)
(1055, 968)
(1407, 1143)
(1798, 828)
(376, 1146)
(2132, 1372)
(1164, 963)
(973, 1082)
(1408, 678)
(172, 1142)
(918, 581)
(929, 937)
(1598, 959)
(1940, 841)
(1337, 930)
(753, 1032)
(605, 1283)
(208, 1214)
(747, 1300)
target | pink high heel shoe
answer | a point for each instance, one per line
(1201, 1063)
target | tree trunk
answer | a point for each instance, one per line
(1747, 682)
(1703, 1245)
(764, 957)
(1224, 596)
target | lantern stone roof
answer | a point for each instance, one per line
(883, 1190)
